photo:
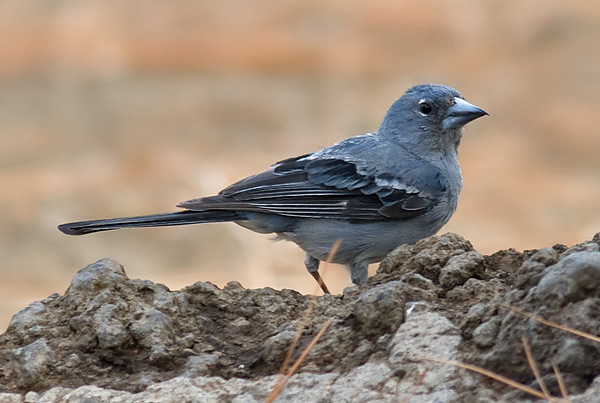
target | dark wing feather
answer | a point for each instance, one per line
(319, 188)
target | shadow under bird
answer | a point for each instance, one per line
(373, 192)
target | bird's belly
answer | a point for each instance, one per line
(370, 241)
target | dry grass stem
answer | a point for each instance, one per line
(300, 329)
(497, 377)
(555, 325)
(281, 383)
(561, 381)
(307, 313)
(310, 346)
(296, 339)
(534, 368)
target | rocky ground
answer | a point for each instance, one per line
(111, 338)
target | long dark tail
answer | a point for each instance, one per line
(155, 220)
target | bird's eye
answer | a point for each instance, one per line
(425, 108)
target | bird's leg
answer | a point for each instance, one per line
(359, 272)
(320, 281)
(312, 265)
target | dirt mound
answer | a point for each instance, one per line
(111, 337)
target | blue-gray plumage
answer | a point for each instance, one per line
(374, 192)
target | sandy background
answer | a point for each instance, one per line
(128, 107)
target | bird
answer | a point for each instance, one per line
(370, 193)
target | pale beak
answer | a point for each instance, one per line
(461, 113)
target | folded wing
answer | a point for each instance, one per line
(323, 188)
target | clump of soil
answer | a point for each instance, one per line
(438, 298)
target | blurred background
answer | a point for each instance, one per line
(123, 107)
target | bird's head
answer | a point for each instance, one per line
(429, 115)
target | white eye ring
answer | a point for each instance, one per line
(425, 107)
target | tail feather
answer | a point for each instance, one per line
(155, 220)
